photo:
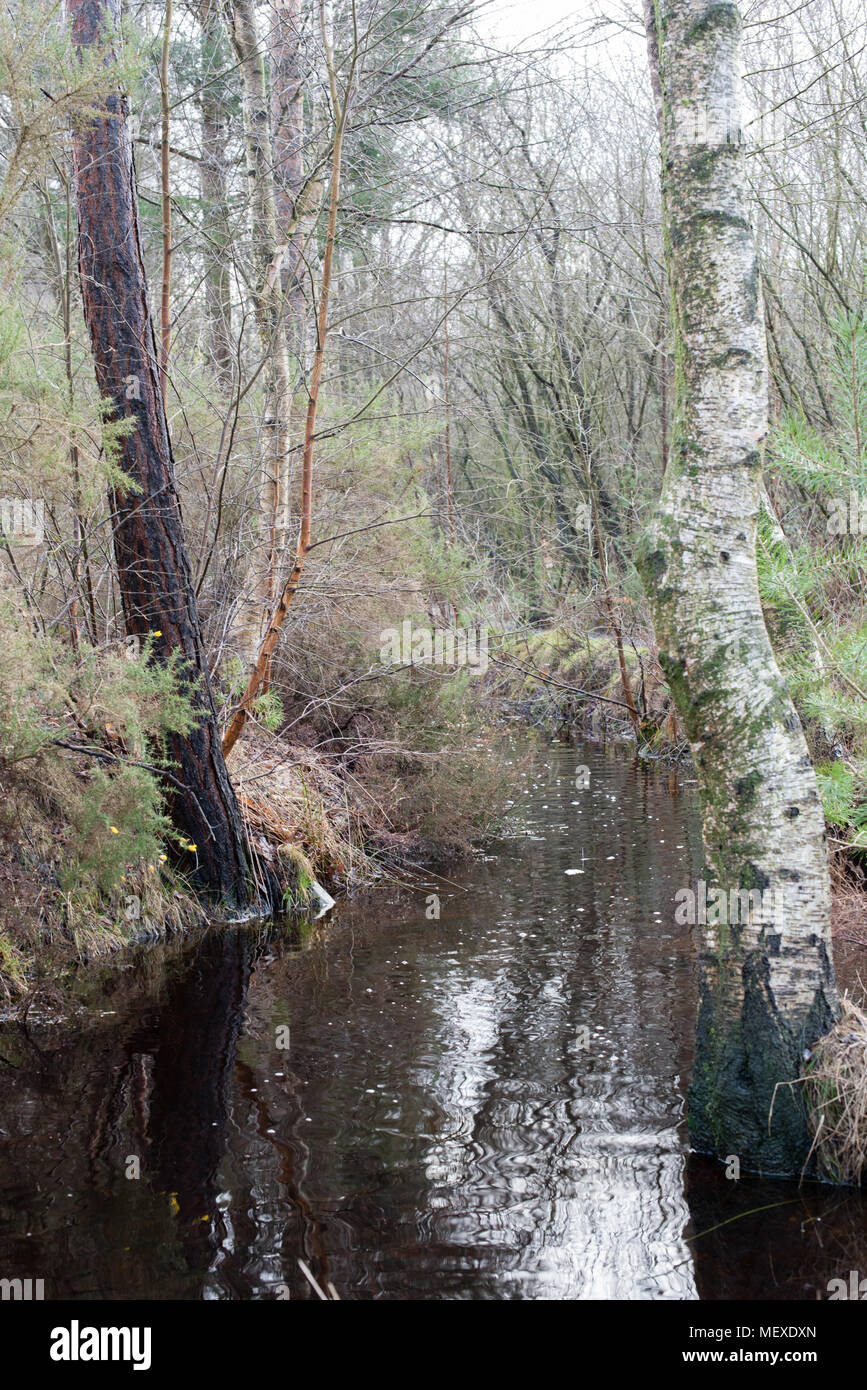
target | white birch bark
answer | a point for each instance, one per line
(767, 985)
(272, 530)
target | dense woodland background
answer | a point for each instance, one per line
(493, 421)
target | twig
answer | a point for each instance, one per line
(548, 680)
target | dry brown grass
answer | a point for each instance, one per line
(848, 902)
(290, 795)
(836, 1093)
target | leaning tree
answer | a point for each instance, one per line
(150, 549)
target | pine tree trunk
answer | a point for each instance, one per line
(767, 986)
(153, 568)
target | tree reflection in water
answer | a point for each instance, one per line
(437, 1127)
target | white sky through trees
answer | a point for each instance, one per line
(515, 21)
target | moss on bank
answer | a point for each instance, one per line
(562, 679)
(50, 925)
(308, 817)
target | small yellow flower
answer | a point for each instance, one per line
(162, 859)
(151, 867)
(157, 633)
(192, 846)
(114, 830)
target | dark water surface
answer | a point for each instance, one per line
(484, 1105)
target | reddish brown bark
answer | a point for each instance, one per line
(150, 549)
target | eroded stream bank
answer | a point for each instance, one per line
(484, 1104)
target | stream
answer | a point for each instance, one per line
(487, 1103)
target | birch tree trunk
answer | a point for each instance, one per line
(287, 121)
(294, 230)
(262, 665)
(273, 519)
(213, 183)
(767, 987)
(152, 565)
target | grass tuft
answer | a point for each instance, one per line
(836, 1093)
